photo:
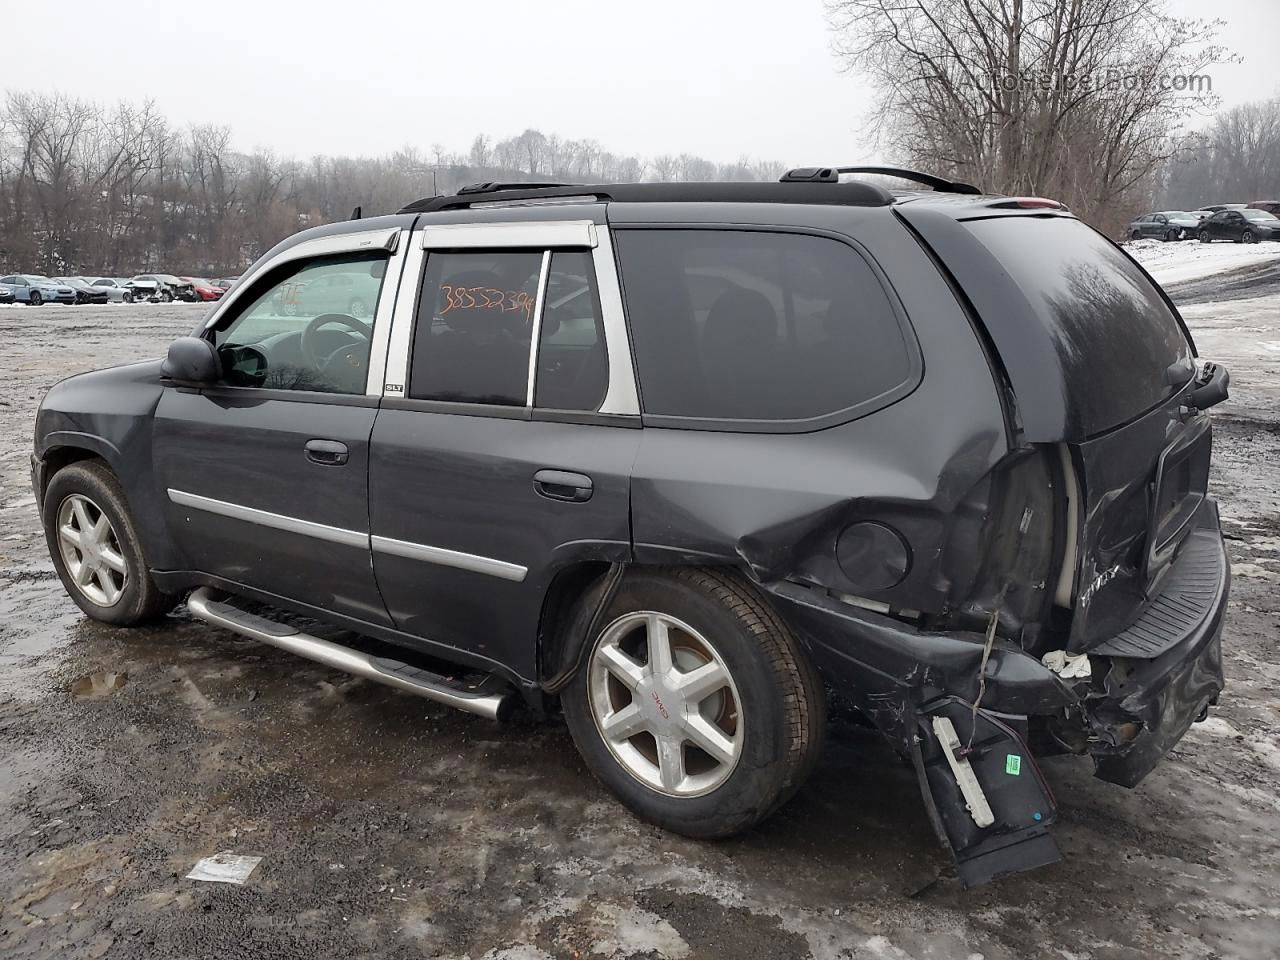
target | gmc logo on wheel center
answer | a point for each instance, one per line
(661, 709)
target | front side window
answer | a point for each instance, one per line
(309, 327)
(474, 327)
(758, 326)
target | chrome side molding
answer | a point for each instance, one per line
(354, 538)
(222, 613)
(450, 558)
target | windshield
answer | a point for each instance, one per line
(1259, 215)
(1115, 336)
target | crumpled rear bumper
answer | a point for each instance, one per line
(1127, 716)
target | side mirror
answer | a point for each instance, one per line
(192, 361)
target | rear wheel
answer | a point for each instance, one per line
(696, 706)
(1204, 237)
(1135, 235)
(1249, 237)
(95, 547)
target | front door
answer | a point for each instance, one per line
(265, 476)
(503, 450)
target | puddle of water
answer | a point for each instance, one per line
(99, 684)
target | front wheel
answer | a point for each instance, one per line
(1135, 235)
(127, 298)
(95, 547)
(1204, 237)
(36, 299)
(1171, 236)
(1249, 237)
(695, 705)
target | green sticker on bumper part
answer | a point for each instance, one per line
(1012, 764)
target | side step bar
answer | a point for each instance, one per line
(203, 603)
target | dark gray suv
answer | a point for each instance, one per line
(679, 459)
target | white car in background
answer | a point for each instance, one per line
(116, 287)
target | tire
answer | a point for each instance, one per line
(1135, 235)
(777, 716)
(36, 299)
(1171, 236)
(166, 297)
(1248, 237)
(127, 298)
(93, 487)
(1204, 237)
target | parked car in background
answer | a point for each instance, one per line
(34, 289)
(6, 295)
(85, 292)
(1216, 207)
(225, 283)
(116, 289)
(205, 289)
(162, 288)
(1165, 225)
(1242, 226)
(1271, 206)
(314, 292)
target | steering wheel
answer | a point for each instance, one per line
(310, 346)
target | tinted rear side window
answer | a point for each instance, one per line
(1114, 335)
(739, 325)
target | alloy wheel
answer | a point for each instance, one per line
(665, 704)
(91, 551)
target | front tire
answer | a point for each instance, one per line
(1171, 236)
(1205, 238)
(36, 298)
(127, 298)
(1249, 237)
(695, 704)
(95, 547)
(1135, 235)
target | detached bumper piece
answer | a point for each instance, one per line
(984, 793)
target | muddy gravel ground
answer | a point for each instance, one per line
(390, 827)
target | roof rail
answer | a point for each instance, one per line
(853, 193)
(492, 186)
(832, 175)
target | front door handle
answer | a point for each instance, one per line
(563, 485)
(330, 453)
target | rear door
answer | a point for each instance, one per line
(265, 476)
(502, 453)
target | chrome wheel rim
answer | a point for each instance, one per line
(91, 551)
(665, 704)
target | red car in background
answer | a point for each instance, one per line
(205, 289)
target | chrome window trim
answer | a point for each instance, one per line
(388, 297)
(621, 397)
(450, 558)
(536, 333)
(353, 538)
(361, 241)
(527, 233)
(265, 518)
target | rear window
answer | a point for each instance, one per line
(1113, 332)
(758, 326)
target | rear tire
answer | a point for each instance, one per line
(1248, 237)
(82, 497)
(767, 713)
(1135, 235)
(1205, 238)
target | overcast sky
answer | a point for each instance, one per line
(719, 79)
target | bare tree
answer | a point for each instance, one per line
(1077, 99)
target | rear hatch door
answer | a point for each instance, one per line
(1095, 356)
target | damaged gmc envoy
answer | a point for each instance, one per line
(680, 459)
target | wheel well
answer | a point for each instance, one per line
(60, 457)
(556, 649)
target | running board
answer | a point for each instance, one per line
(223, 613)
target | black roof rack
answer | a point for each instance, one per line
(852, 193)
(492, 186)
(832, 175)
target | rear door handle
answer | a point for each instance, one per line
(331, 453)
(563, 485)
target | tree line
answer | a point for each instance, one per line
(1236, 160)
(88, 189)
